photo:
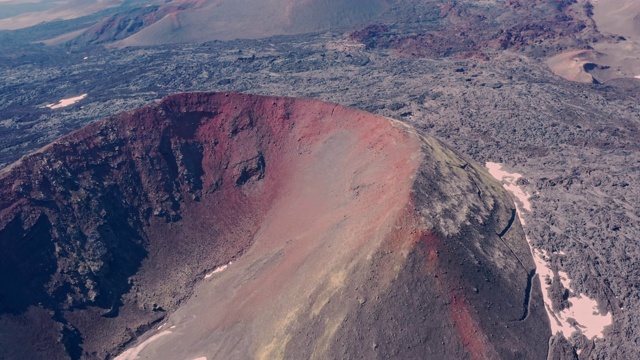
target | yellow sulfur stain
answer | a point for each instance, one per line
(322, 345)
(276, 348)
(335, 282)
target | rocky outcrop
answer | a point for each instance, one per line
(344, 234)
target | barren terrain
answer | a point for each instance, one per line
(575, 144)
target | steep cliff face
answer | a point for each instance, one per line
(344, 234)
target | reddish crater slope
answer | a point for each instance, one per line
(344, 234)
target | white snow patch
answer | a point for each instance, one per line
(589, 321)
(637, 76)
(132, 354)
(200, 358)
(583, 310)
(66, 102)
(217, 270)
(509, 182)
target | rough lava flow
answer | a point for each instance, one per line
(583, 315)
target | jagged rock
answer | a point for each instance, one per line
(559, 294)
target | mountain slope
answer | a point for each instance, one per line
(184, 21)
(227, 20)
(343, 234)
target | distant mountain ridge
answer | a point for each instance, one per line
(180, 21)
(418, 28)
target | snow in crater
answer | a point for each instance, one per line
(132, 353)
(583, 312)
(66, 102)
(219, 269)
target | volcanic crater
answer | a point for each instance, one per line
(226, 225)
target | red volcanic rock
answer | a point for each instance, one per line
(345, 234)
